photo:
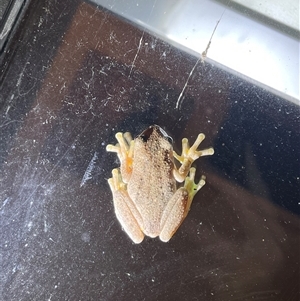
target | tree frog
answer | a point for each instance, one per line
(146, 198)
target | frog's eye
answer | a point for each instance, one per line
(145, 135)
(170, 139)
(165, 135)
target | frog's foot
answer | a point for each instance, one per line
(189, 155)
(116, 183)
(124, 149)
(191, 187)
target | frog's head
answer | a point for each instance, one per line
(155, 130)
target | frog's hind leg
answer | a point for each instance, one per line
(125, 210)
(179, 206)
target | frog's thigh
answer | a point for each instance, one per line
(174, 213)
(128, 215)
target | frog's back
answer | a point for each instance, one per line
(152, 184)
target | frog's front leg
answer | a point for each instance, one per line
(188, 156)
(179, 206)
(124, 149)
(125, 209)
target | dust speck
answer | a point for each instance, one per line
(86, 237)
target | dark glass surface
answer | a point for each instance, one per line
(74, 76)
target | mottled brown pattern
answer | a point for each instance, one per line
(151, 202)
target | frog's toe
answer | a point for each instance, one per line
(116, 182)
(190, 184)
(113, 148)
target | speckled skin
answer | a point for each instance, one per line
(145, 194)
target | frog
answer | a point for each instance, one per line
(148, 195)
